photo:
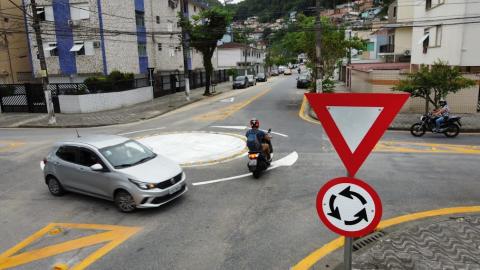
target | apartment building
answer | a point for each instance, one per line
(86, 37)
(400, 27)
(14, 55)
(449, 31)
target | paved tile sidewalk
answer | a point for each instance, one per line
(450, 243)
(124, 115)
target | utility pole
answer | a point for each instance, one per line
(185, 49)
(43, 64)
(7, 47)
(318, 64)
(246, 46)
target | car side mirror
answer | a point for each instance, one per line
(96, 167)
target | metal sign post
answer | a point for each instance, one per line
(347, 253)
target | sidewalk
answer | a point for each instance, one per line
(403, 121)
(124, 115)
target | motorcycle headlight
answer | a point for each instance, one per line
(422, 118)
(142, 185)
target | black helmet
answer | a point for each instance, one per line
(442, 102)
(254, 123)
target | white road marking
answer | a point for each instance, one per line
(284, 162)
(245, 128)
(139, 131)
(228, 100)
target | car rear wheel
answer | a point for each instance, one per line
(55, 187)
(125, 202)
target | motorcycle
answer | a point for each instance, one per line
(450, 127)
(258, 161)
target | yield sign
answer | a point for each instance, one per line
(355, 122)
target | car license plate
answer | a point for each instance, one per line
(175, 189)
(252, 163)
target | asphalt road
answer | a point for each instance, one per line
(270, 223)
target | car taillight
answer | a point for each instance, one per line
(253, 156)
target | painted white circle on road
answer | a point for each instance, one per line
(196, 148)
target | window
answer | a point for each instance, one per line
(173, 4)
(178, 48)
(50, 49)
(428, 4)
(394, 12)
(426, 41)
(159, 45)
(140, 18)
(41, 13)
(435, 36)
(67, 153)
(87, 158)
(170, 26)
(80, 11)
(78, 48)
(142, 49)
(157, 19)
(194, 8)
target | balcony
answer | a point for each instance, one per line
(387, 48)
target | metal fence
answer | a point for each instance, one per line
(175, 82)
(98, 87)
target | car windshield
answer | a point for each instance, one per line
(127, 154)
(240, 78)
(260, 75)
(303, 77)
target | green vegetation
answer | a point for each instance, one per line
(434, 83)
(112, 82)
(204, 32)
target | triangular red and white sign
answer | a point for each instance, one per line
(355, 122)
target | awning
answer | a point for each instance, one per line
(423, 38)
(76, 47)
(40, 11)
(49, 48)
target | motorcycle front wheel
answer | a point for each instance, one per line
(452, 131)
(417, 130)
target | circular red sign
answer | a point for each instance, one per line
(367, 188)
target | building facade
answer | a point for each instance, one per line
(237, 56)
(15, 64)
(86, 37)
(443, 30)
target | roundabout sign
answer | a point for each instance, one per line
(349, 207)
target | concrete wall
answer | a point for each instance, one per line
(403, 40)
(228, 57)
(105, 101)
(382, 81)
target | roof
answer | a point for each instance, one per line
(381, 66)
(97, 141)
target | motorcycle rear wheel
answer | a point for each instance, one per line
(452, 131)
(256, 174)
(417, 130)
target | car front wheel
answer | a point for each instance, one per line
(124, 202)
(55, 187)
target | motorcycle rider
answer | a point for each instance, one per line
(258, 140)
(442, 113)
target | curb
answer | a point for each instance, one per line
(122, 123)
(310, 114)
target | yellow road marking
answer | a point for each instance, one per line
(10, 145)
(406, 147)
(314, 257)
(113, 236)
(414, 147)
(226, 112)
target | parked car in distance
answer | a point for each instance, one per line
(303, 81)
(281, 69)
(252, 80)
(274, 73)
(261, 77)
(113, 168)
(287, 72)
(240, 82)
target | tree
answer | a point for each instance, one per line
(434, 84)
(204, 33)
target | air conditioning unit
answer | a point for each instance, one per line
(72, 23)
(406, 53)
(96, 44)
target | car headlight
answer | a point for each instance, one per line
(143, 185)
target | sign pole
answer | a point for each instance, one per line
(347, 249)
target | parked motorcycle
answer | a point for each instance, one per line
(258, 162)
(450, 127)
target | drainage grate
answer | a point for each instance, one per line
(367, 240)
